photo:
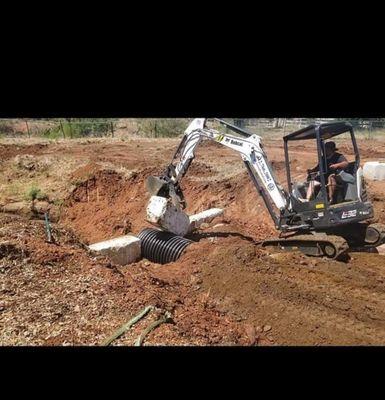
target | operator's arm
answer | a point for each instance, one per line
(341, 163)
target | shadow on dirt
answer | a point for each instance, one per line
(196, 237)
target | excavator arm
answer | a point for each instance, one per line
(251, 151)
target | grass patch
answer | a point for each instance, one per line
(35, 193)
(58, 202)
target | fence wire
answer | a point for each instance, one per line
(165, 127)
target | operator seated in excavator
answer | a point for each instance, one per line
(337, 175)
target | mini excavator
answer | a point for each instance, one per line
(318, 227)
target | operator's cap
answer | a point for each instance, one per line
(331, 145)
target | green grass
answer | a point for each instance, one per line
(35, 193)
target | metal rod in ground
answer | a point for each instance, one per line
(48, 228)
(126, 326)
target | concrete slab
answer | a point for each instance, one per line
(374, 171)
(122, 250)
(163, 213)
(203, 217)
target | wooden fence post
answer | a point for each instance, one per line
(71, 133)
(29, 133)
(62, 130)
(112, 129)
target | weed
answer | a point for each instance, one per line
(58, 202)
(35, 193)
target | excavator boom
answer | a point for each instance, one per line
(250, 150)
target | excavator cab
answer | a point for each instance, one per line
(349, 203)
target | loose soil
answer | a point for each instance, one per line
(224, 290)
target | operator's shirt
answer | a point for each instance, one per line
(336, 158)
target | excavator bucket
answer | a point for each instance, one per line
(154, 185)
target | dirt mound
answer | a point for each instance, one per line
(29, 162)
(85, 172)
(279, 165)
(287, 298)
(107, 205)
(8, 151)
(201, 170)
(245, 211)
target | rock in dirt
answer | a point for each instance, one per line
(278, 256)
(381, 249)
(266, 328)
(251, 334)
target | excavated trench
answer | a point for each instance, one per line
(108, 205)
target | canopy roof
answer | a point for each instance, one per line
(327, 131)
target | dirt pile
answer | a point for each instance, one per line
(8, 151)
(288, 298)
(107, 205)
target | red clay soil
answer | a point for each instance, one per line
(8, 151)
(107, 205)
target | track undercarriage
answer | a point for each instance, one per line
(333, 244)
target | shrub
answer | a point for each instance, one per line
(5, 127)
(35, 193)
(80, 127)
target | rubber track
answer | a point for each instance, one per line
(318, 240)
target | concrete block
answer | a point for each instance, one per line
(122, 250)
(206, 216)
(374, 171)
(163, 213)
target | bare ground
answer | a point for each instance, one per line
(225, 290)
